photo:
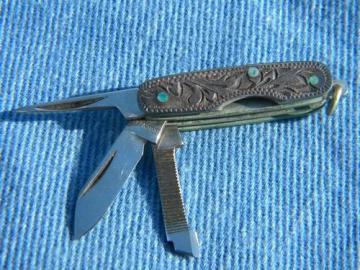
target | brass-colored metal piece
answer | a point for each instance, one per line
(245, 112)
(338, 92)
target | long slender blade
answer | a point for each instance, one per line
(124, 100)
(101, 189)
(103, 186)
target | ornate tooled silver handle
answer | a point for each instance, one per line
(208, 90)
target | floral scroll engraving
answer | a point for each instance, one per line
(206, 90)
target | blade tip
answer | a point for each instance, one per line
(30, 109)
(77, 233)
(80, 226)
(76, 236)
(24, 109)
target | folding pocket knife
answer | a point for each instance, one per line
(158, 109)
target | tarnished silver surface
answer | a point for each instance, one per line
(209, 90)
(176, 226)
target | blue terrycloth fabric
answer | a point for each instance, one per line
(281, 195)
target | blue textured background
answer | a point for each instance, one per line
(273, 195)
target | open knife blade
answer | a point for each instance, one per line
(101, 189)
(124, 100)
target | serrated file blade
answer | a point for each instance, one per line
(176, 226)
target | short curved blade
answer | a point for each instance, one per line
(103, 186)
(101, 189)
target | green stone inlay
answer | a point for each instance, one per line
(314, 80)
(253, 72)
(163, 97)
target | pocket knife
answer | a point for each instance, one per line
(159, 108)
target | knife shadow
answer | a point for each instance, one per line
(93, 144)
(100, 129)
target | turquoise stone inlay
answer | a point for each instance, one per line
(253, 72)
(163, 97)
(314, 80)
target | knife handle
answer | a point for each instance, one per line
(202, 91)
